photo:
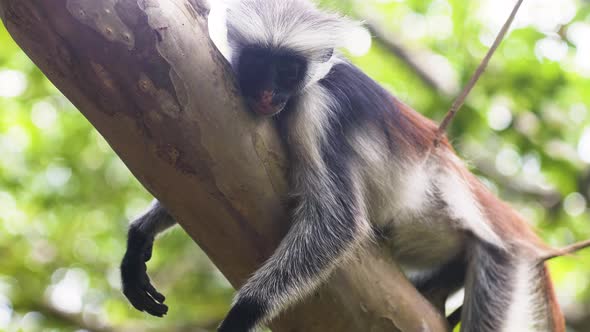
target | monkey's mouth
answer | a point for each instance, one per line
(266, 109)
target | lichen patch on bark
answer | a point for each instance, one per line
(103, 75)
(165, 100)
(103, 18)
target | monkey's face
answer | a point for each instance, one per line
(268, 78)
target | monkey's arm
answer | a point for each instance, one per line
(328, 225)
(136, 283)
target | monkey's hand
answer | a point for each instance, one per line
(136, 283)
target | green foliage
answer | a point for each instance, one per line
(65, 197)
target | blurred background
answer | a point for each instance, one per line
(66, 198)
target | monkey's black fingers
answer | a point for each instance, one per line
(149, 288)
(138, 288)
(142, 295)
(142, 301)
(154, 308)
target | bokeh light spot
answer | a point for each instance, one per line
(508, 162)
(574, 204)
(499, 117)
(13, 83)
(584, 146)
(44, 115)
(359, 42)
(5, 312)
(67, 294)
(552, 49)
(58, 176)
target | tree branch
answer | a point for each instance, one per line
(146, 75)
(549, 198)
(75, 320)
(384, 38)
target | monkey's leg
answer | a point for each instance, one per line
(136, 283)
(488, 288)
(321, 236)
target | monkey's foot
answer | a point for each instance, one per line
(137, 286)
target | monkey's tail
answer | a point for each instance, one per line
(565, 250)
(455, 318)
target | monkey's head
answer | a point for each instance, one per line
(281, 47)
(269, 77)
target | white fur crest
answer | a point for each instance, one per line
(292, 24)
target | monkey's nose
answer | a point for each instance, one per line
(268, 103)
(266, 97)
(262, 107)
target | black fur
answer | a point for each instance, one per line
(260, 68)
(361, 100)
(326, 215)
(243, 315)
(136, 283)
(488, 288)
(449, 277)
(329, 218)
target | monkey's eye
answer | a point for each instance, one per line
(289, 71)
(253, 61)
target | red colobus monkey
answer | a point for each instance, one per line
(363, 168)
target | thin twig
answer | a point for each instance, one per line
(567, 250)
(482, 67)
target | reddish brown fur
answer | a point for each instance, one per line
(416, 132)
(507, 223)
(553, 309)
(417, 135)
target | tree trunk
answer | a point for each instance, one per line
(146, 75)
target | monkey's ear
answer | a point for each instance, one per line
(326, 55)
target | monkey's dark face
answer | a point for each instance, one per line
(269, 78)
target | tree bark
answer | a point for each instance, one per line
(146, 75)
